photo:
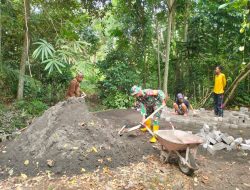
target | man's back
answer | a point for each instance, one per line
(74, 89)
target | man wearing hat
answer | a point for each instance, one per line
(181, 106)
(149, 100)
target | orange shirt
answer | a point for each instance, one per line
(74, 89)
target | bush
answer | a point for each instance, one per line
(33, 108)
(118, 100)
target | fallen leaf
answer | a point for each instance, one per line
(109, 159)
(24, 176)
(26, 162)
(205, 177)
(100, 160)
(94, 149)
(106, 170)
(195, 179)
(248, 185)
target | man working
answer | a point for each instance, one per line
(181, 106)
(74, 87)
(219, 86)
(149, 100)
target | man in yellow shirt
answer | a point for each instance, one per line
(219, 86)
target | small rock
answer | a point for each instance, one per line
(50, 163)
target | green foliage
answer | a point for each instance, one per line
(119, 100)
(33, 108)
(119, 76)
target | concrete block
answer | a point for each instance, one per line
(206, 128)
(243, 109)
(227, 140)
(219, 146)
(211, 140)
(233, 145)
(211, 135)
(229, 148)
(218, 138)
(202, 109)
(233, 126)
(247, 141)
(238, 141)
(210, 149)
(205, 145)
(245, 146)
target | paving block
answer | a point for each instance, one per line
(247, 141)
(233, 145)
(211, 135)
(210, 149)
(206, 127)
(233, 126)
(245, 146)
(211, 140)
(238, 141)
(202, 109)
(205, 145)
(243, 109)
(227, 140)
(219, 146)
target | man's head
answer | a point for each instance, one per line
(79, 77)
(218, 69)
(180, 97)
(136, 91)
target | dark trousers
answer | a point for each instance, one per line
(218, 104)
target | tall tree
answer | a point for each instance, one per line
(25, 50)
(169, 34)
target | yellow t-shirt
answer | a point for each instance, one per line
(219, 83)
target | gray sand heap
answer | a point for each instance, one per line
(69, 139)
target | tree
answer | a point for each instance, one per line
(171, 8)
(25, 51)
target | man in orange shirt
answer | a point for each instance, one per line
(219, 86)
(74, 87)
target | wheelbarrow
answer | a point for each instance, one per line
(182, 144)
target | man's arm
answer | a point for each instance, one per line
(224, 81)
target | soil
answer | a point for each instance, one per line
(72, 138)
(77, 140)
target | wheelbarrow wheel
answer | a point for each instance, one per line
(184, 168)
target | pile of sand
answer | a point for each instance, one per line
(69, 139)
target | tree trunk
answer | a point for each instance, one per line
(25, 51)
(186, 21)
(170, 20)
(158, 54)
(230, 92)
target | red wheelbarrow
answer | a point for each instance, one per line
(181, 143)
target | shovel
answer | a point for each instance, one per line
(142, 123)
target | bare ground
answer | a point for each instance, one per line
(131, 163)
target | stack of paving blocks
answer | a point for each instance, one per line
(215, 140)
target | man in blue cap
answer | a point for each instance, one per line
(182, 105)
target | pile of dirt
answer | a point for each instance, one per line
(68, 139)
